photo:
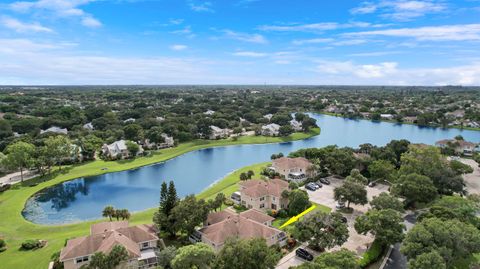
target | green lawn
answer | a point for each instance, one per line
(15, 229)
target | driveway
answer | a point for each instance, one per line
(356, 242)
(472, 180)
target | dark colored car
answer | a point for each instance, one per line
(344, 219)
(302, 253)
(372, 184)
(311, 187)
(319, 184)
(325, 181)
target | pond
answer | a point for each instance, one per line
(84, 198)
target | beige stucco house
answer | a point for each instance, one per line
(263, 194)
(141, 243)
(293, 169)
(245, 225)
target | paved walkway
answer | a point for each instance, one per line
(472, 180)
(14, 178)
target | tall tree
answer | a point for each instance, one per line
(340, 259)
(58, 148)
(382, 170)
(298, 201)
(428, 260)
(356, 176)
(246, 254)
(99, 260)
(385, 224)
(19, 156)
(108, 212)
(188, 214)
(352, 192)
(452, 239)
(386, 201)
(415, 188)
(199, 256)
(322, 230)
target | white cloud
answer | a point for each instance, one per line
(252, 38)
(403, 10)
(23, 27)
(91, 22)
(390, 73)
(429, 33)
(330, 41)
(312, 41)
(252, 54)
(201, 7)
(317, 27)
(60, 8)
(178, 47)
(186, 31)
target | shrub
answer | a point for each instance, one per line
(372, 255)
(5, 187)
(229, 202)
(31, 244)
(282, 213)
(3, 245)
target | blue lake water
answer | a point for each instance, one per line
(84, 198)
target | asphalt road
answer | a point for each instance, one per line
(396, 260)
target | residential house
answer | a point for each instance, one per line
(168, 143)
(88, 126)
(386, 116)
(129, 120)
(296, 125)
(218, 133)
(118, 150)
(271, 129)
(293, 169)
(268, 116)
(263, 194)
(460, 146)
(141, 243)
(55, 129)
(245, 225)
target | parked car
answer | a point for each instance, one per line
(325, 181)
(311, 187)
(319, 184)
(372, 184)
(304, 254)
(340, 205)
(344, 219)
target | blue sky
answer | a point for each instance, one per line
(375, 42)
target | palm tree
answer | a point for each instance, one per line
(109, 212)
(124, 214)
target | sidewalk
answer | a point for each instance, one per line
(14, 178)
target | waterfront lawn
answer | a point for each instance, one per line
(15, 229)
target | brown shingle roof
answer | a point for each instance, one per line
(128, 237)
(286, 164)
(259, 188)
(237, 226)
(102, 227)
(256, 215)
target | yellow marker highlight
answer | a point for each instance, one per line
(297, 217)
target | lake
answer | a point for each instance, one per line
(84, 198)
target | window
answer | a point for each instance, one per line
(262, 205)
(81, 259)
(262, 198)
(145, 245)
(273, 198)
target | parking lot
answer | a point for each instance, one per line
(356, 242)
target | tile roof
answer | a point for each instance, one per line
(237, 225)
(114, 234)
(259, 188)
(285, 163)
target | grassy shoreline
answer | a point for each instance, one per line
(396, 122)
(15, 229)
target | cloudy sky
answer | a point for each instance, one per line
(376, 42)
